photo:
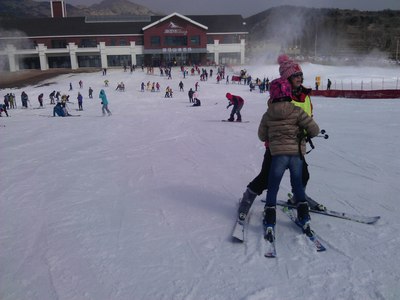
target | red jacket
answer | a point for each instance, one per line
(235, 100)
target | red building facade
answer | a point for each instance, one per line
(75, 42)
(176, 39)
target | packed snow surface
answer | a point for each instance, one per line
(141, 204)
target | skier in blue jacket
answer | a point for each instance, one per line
(58, 110)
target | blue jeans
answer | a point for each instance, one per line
(278, 166)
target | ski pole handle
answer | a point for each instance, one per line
(325, 136)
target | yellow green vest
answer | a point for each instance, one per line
(306, 105)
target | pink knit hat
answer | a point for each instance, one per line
(287, 67)
(280, 88)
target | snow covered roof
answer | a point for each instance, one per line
(175, 14)
(72, 26)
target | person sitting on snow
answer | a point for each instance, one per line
(120, 87)
(197, 102)
(58, 110)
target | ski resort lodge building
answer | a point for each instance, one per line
(114, 41)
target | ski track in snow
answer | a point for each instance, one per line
(141, 205)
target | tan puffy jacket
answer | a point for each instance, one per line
(281, 125)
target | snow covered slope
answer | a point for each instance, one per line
(141, 205)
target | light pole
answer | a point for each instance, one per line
(397, 51)
(315, 43)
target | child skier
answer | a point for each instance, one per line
(280, 126)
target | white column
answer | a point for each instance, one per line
(44, 64)
(12, 62)
(242, 51)
(103, 55)
(133, 52)
(216, 51)
(72, 54)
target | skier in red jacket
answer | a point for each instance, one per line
(237, 103)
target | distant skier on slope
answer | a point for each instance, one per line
(104, 102)
(237, 103)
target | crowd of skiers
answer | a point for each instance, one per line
(10, 102)
(60, 101)
(204, 75)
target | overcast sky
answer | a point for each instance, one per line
(248, 7)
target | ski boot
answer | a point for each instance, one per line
(269, 222)
(245, 203)
(311, 203)
(231, 119)
(303, 217)
(314, 204)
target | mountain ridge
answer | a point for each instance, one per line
(30, 8)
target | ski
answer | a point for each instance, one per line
(238, 231)
(311, 235)
(332, 213)
(234, 121)
(50, 116)
(238, 234)
(269, 237)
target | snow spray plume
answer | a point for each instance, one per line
(374, 58)
(303, 33)
(282, 30)
(12, 37)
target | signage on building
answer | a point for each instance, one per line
(176, 50)
(175, 29)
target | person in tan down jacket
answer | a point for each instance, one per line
(300, 97)
(282, 126)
